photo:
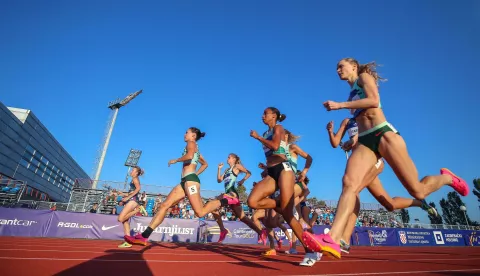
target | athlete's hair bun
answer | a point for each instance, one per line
(282, 117)
(202, 134)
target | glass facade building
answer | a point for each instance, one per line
(29, 152)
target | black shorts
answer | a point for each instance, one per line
(275, 171)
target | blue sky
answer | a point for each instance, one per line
(217, 64)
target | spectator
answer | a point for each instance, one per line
(118, 209)
(94, 208)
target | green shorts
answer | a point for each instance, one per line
(189, 177)
(371, 138)
(300, 184)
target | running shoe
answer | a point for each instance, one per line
(291, 251)
(279, 244)
(429, 209)
(137, 239)
(322, 243)
(458, 184)
(269, 252)
(344, 247)
(125, 245)
(309, 260)
(223, 235)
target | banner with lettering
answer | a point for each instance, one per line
(371, 236)
(171, 230)
(24, 222)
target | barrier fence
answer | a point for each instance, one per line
(46, 223)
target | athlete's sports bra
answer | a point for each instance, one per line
(194, 159)
(358, 93)
(352, 128)
(292, 160)
(268, 135)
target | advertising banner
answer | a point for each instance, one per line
(238, 232)
(472, 238)
(24, 222)
(107, 227)
(416, 237)
(449, 237)
(171, 230)
(72, 225)
(371, 236)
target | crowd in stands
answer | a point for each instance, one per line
(183, 210)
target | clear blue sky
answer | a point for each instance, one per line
(217, 64)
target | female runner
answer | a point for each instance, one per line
(130, 201)
(189, 186)
(229, 177)
(375, 188)
(377, 138)
(280, 176)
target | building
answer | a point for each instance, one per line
(29, 152)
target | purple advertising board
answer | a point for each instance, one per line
(71, 225)
(371, 236)
(171, 230)
(24, 222)
(46, 223)
(238, 232)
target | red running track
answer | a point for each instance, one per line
(45, 256)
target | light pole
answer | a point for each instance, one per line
(114, 106)
(464, 209)
(132, 161)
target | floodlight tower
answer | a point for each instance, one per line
(132, 161)
(115, 107)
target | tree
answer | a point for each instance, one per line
(405, 216)
(434, 219)
(242, 193)
(314, 202)
(452, 215)
(476, 190)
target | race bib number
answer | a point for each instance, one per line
(192, 190)
(352, 131)
(286, 166)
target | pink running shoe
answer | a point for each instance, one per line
(137, 239)
(279, 244)
(458, 184)
(232, 200)
(322, 243)
(223, 235)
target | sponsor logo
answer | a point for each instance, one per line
(169, 230)
(438, 237)
(403, 237)
(17, 222)
(105, 228)
(74, 225)
(377, 237)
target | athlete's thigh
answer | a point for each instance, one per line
(129, 207)
(358, 165)
(193, 193)
(394, 150)
(263, 189)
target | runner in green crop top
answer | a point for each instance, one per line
(229, 177)
(280, 177)
(376, 138)
(189, 186)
